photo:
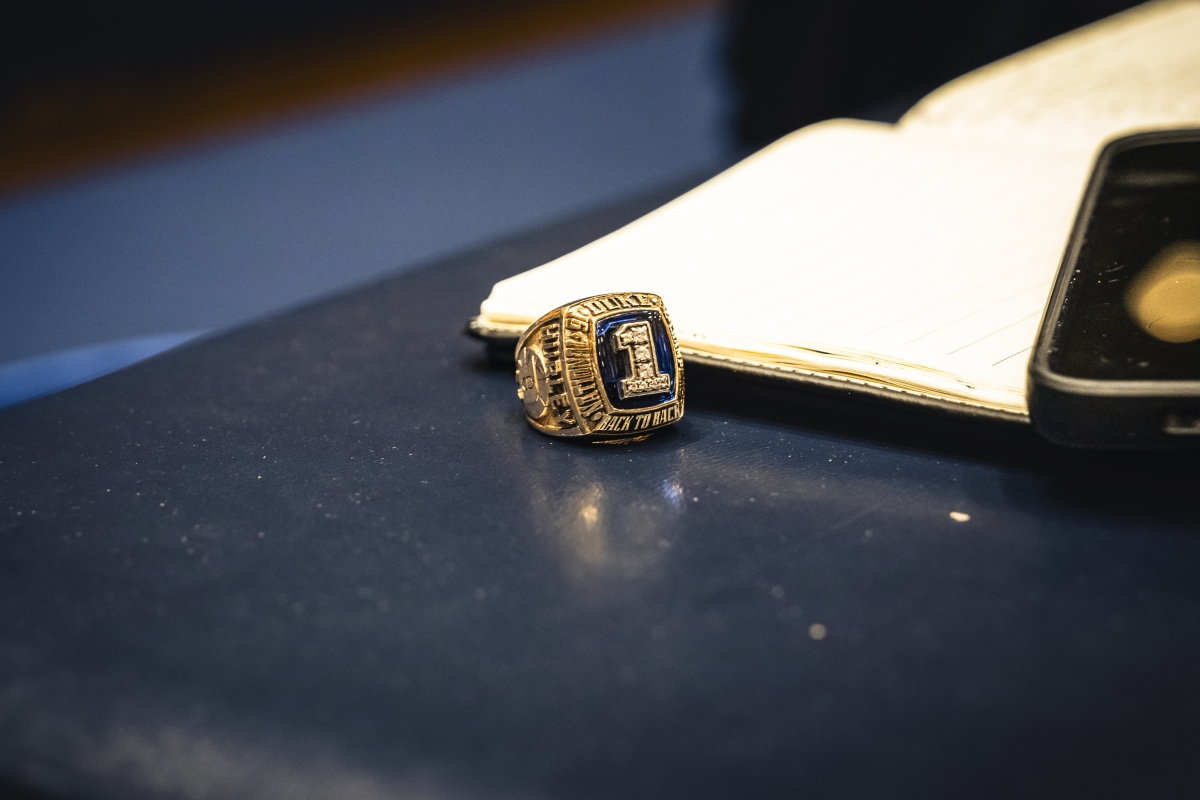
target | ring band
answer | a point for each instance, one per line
(604, 367)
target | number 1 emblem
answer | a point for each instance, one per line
(645, 377)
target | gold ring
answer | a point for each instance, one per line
(604, 367)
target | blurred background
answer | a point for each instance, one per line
(170, 170)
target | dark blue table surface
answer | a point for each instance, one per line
(324, 556)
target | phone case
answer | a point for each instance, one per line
(1085, 412)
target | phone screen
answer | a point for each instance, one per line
(1132, 309)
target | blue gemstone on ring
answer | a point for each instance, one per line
(637, 362)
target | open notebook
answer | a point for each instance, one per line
(914, 258)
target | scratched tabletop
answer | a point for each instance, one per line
(325, 556)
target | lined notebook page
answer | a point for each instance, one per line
(1136, 71)
(848, 249)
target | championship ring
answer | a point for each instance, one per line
(605, 367)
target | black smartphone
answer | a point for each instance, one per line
(1117, 360)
